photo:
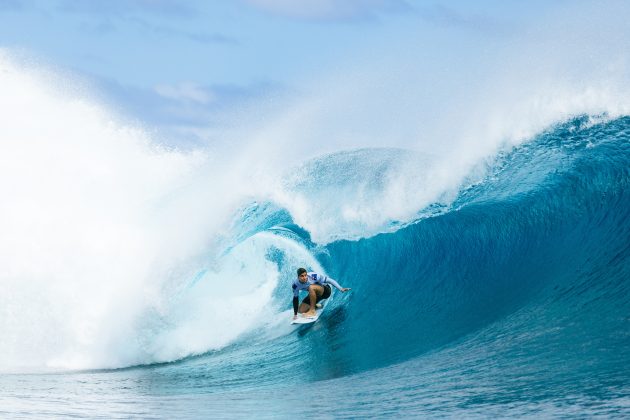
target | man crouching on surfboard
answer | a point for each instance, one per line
(318, 287)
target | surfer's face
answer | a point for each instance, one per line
(303, 277)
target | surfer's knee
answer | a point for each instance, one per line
(315, 288)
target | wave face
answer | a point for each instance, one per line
(513, 296)
(531, 261)
(540, 247)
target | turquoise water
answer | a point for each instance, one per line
(512, 298)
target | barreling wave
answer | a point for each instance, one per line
(435, 254)
(547, 228)
(531, 261)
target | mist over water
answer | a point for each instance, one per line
(484, 204)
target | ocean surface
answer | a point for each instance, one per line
(507, 295)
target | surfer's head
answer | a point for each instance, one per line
(302, 276)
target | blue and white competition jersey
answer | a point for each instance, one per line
(313, 278)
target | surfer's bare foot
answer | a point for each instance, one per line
(309, 314)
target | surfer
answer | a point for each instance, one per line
(318, 287)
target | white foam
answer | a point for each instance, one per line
(93, 216)
(101, 233)
(228, 300)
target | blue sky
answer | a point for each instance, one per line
(175, 63)
(150, 42)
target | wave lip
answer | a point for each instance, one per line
(359, 193)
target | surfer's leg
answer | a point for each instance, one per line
(304, 306)
(324, 295)
(313, 291)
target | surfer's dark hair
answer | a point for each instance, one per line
(301, 270)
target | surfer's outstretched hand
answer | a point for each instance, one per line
(345, 289)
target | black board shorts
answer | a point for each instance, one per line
(325, 295)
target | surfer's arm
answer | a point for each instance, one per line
(334, 283)
(296, 301)
(337, 286)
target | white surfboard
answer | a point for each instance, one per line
(301, 319)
